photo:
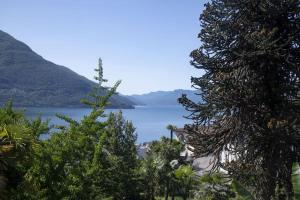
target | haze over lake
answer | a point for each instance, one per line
(150, 121)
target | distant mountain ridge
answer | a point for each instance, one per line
(30, 80)
(163, 97)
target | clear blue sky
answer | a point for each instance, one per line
(145, 43)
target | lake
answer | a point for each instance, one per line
(150, 121)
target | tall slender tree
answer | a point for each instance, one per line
(73, 162)
(99, 72)
(250, 55)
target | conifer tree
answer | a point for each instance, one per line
(99, 76)
(250, 55)
(123, 163)
(73, 163)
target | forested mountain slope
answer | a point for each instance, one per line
(30, 80)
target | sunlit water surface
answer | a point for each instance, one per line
(150, 121)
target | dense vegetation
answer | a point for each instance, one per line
(30, 80)
(248, 121)
(250, 54)
(95, 158)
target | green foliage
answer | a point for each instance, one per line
(241, 191)
(122, 158)
(94, 158)
(218, 186)
(90, 159)
(296, 181)
(156, 171)
(185, 173)
(186, 179)
(250, 57)
(19, 142)
(149, 171)
(171, 127)
(214, 187)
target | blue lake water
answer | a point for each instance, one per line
(150, 121)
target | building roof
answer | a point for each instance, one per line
(181, 134)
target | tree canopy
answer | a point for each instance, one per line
(250, 56)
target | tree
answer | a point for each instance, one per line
(94, 158)
(157, 170)
(122, 158)
(19, 142)
(186, 179)
(74, 162)
(149, 172)
(99, 71)
(216, 187)
(171, 128)
(250, 55)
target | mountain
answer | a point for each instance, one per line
(163, 97)
(30, 80)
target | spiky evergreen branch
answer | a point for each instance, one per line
(250, 54)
